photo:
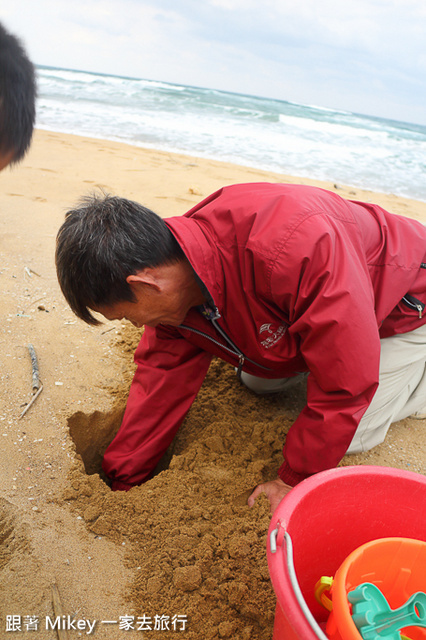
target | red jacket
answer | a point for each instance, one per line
(300, 280)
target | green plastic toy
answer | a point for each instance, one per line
(374, 618)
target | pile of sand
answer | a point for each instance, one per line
(184, 549)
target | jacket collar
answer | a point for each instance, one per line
(199, 246)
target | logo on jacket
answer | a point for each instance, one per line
(271, 334)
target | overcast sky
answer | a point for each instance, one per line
(366, 56)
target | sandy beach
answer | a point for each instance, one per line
(180, 550)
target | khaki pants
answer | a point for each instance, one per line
(401, 390)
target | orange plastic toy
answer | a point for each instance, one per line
(397, 566)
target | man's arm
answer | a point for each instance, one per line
(324, 285)
(169, 374)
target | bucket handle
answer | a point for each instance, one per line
(294, 581)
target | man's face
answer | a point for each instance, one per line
(162, 295)
(150, 308)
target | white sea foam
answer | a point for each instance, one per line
(274, 135)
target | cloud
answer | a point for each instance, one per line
(357, 55)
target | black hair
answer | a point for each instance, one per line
(104, 240)
(17, 96)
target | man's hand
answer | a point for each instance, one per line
(275, 490)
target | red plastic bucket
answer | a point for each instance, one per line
(321, 521)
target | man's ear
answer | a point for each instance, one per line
(143, 278)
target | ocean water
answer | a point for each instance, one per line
(274, 135)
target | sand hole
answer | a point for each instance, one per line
(92, 434)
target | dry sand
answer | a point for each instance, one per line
(182, 545)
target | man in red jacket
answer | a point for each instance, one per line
(279, 280)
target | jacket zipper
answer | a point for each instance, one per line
(213, 316)
(413, 303)
(237, 351)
